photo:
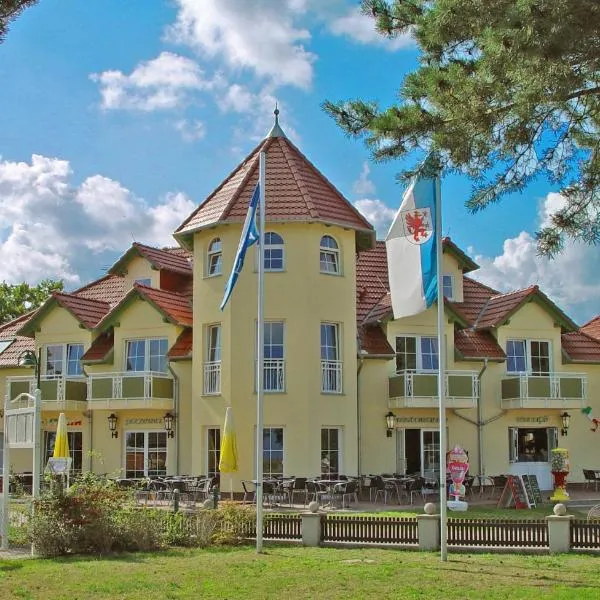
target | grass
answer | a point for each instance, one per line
(298, 573)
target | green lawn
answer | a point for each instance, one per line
(298, 573)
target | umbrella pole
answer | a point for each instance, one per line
(231, 486)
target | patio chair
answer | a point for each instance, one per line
(249, 491)
(591, 476)
(350, 492)
(299, 487)
(315, 491)
(385, 489)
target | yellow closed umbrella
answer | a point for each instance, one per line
(228, 460)
(61, 443)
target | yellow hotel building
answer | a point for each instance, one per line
(144, 363)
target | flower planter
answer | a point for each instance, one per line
(560, 469)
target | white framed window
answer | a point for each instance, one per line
(331, 452)
(531, 444)
(212, 365)
(274, 252)
(448, 286)
(145, 453)
(214, 260)
(75, 439)
(145, 281)
(528, 356)
(213, 451)
(274, 356)
(329, 256)
(146, 355)
(416, 353)
(331, 365)
(63, 359)
(273, 453)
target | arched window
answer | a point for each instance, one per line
(273, 251)
(215, 258)
(330, 256)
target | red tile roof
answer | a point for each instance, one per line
(160, 259)
(373, 341)
(295, 191)
(182, 348)
(578, 347)
(8, 331)
(100, 349)
(174, 305)
(592, 327)
(472, 344)
(110, 288)
(87, 311)
(475, 297)
(371, 279)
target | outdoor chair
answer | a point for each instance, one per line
(499, 483)
(315, 491)
(385, 489)
(249, 491)
(591, 476)
(350, 492)
(299, 488)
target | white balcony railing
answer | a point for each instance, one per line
(140, 385)
(55, 388)
(331, 376)
(212, 378)
(274, 374)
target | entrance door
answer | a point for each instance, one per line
(421, 452)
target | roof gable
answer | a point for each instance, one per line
(296, 191)
(182, 348)
(159, 259)
(9, 357)
(101, 350)
(592, 328)
(88, 312)
(578, 347)
(110, 288)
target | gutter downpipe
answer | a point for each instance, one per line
(480, 466)
(176, 408)
(90, 417)
(358, 420)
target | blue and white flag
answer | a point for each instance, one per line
(250, 236)
(411, 245)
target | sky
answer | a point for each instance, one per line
(118, 118)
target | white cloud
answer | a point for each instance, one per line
(361, 29)
(52, 228)
(161, 83)
(363, 186)
(572, 279)
(191, 130)
(260, 36)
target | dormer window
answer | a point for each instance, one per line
(273, 252)
(215, 258)
(448, 286)
(329, 256)
(63, 359)
(145, 281)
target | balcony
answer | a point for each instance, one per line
(212, 378)
(565, 390)
(331, 376)
(58, 393)
(408, 389)
(130, 390)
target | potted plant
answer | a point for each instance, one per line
(559, 465)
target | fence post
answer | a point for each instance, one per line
(559, 530)
(311, 529)
(429, 532)
(175, 500)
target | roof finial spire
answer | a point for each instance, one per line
(276, 130)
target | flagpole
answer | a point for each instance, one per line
(442, 370)
(260, 351)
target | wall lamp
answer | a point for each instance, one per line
(390, 421)
(112, 425)
(566, 422)
(169, 420)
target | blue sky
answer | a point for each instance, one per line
(118, 118)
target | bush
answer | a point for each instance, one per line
(236, 523)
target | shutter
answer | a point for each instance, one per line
(513, 446)
(400, 452)
(552, 439)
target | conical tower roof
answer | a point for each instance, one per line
(295, 191)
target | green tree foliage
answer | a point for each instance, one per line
(17, 299)
(10, 10)
(506, 91)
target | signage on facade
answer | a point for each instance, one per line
(144, 421)
(421, 420)
(541, 419)
(54, 421)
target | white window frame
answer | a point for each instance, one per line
(147, 343)
(216, 451)
(268, 472)
(214, 258)
(513, 442)
(331, 368)
(448, 282)
(147, 452)
(274, 366)
(326, 452)
(269, 247)
(64, 360)
(212, 364)
(419, 353)
(528, 362)
(333, 252)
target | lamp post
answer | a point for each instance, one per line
(30, 359)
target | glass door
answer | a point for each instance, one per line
(430, 460)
